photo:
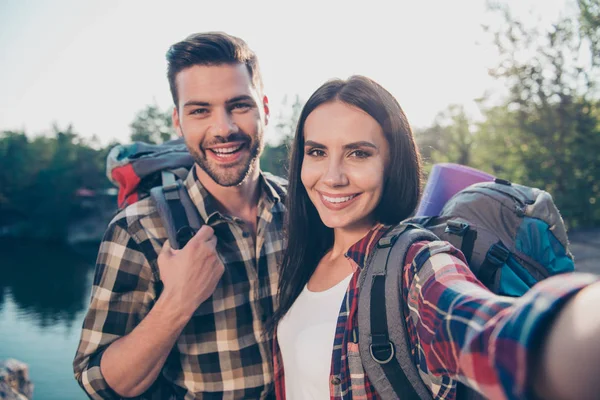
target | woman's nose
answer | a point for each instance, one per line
(335, 175)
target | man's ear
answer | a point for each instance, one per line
(267, 110)
(176, 124)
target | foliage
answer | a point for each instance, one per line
(547, 131)
(152, 125)
(39, 179)
(274, 158)
(449, 139)
(589, 26)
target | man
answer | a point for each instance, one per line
(203, 337)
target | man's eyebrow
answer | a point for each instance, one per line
(243, 97)
(196, 103)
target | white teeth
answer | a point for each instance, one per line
(227, 150)
(338, 199)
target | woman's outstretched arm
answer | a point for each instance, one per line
(493, 344)
(567, 365)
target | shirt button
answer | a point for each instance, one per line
(335, 380)
(246, 234)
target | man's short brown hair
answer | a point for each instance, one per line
(210, 48)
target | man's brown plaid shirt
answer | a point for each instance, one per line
(222, 352)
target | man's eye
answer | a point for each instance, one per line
(199, 111)
(241, 106)
(315, 153)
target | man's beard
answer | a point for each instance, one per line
(229, 175)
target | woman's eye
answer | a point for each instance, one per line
(315, 153)
(360, 154)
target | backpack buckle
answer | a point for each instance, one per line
(171, 187)
(456, 228)
(382, 350)
(497, 254)
(386, 241)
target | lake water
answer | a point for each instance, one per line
(44, 293)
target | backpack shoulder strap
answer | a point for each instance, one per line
(383, 338)
(177, 212)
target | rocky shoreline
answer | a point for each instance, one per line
(14, 381)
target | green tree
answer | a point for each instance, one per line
(39, 179)
(547, 133)
(152, 125)
(589, 23)
(275, 157)
(451, 138)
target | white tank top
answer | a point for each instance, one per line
(305, 337)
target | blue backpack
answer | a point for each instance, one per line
(512, 237)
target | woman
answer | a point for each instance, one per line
(354, 173)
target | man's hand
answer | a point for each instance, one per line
(132, 363)
(190, 275)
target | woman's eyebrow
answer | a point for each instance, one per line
(357, 145)
(349, 146)
(312, 143)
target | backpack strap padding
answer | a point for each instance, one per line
(381, 320)
(178, 213)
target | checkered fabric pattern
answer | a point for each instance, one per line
(458, 330)
(222, 352)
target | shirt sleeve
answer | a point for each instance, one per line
(122, 294)
(461, 330)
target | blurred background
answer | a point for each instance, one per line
(510, 88)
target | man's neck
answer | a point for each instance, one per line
(239, 201)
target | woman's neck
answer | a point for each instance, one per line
(344, 238)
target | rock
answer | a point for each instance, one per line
(14, 381)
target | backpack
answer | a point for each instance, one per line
(512, 237)
(140, 170)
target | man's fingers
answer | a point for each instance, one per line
(204, 234)
(165, 251)
(212, 242)
(166, 248)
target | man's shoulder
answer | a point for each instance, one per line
(278, 183)
(140, 220)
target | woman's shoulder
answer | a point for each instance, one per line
(429, 248)
(434, 254)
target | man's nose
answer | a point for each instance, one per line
(223, 123)
(335, 175)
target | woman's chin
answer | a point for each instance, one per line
(347, 224)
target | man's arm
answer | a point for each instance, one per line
(118, 355)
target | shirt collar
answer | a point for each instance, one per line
(359, 252)
(206, 203)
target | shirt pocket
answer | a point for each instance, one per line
(356, 371)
